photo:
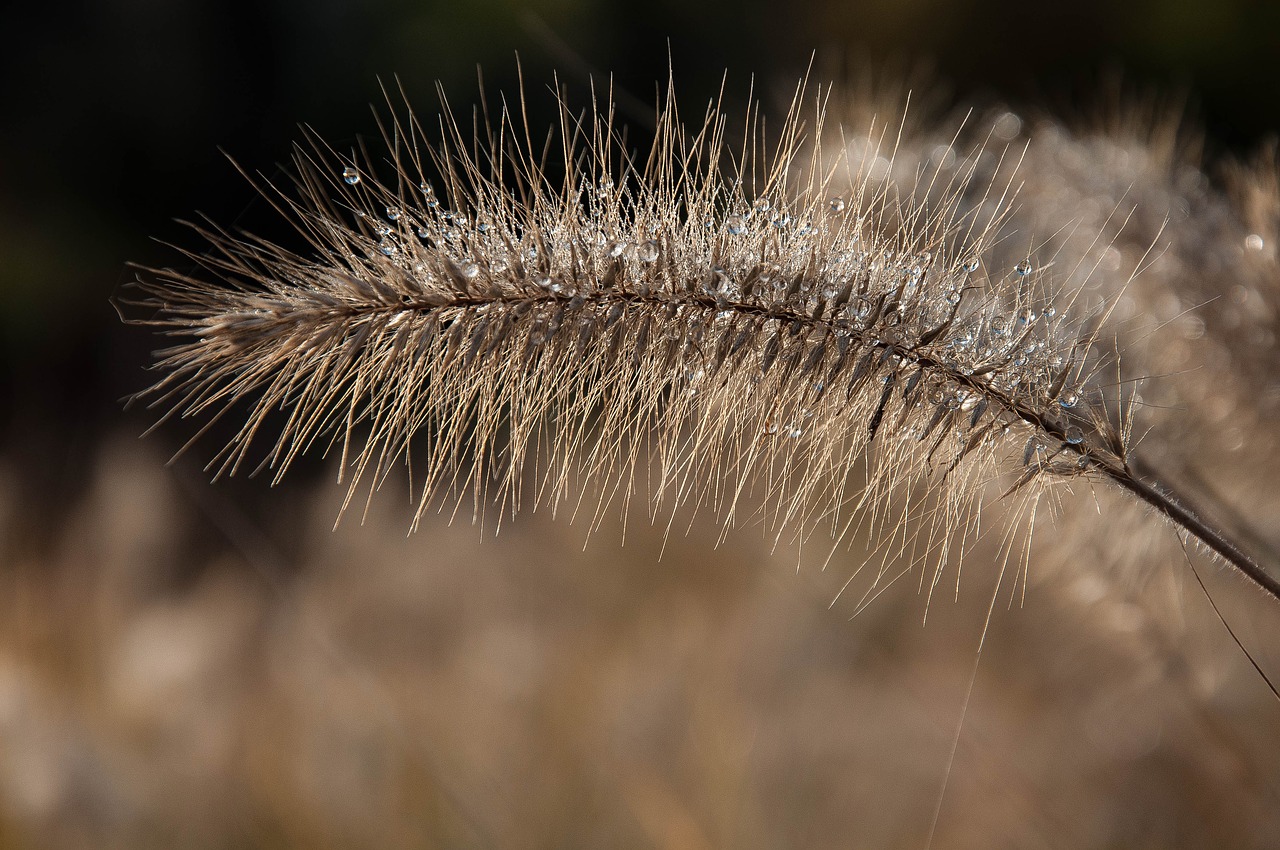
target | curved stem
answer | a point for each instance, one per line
(1177, 508)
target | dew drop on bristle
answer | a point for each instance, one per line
(1023, 268)
(1069, 400)
(393, 213)
(762, 205)
(647, 252)
(469, 270)
(953, 297)
(735, 225)
(972, 265)
(1074, 435)
(616, 247)
(350, 175)
(837, 205)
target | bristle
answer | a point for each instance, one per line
(674, 320)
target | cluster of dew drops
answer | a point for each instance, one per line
(1024, 340)
(443, 230)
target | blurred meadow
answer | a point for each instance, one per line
(193, 665)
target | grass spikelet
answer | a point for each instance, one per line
(758, 331)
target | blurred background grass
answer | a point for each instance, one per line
(209, 666)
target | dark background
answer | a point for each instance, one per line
(115, 113)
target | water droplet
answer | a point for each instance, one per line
(972, 265)
(382, 229)
(709, 224)
(647, 252)
(1023, 268)
(1069, 399)
(837, 205)
(388, 248)
(469, 269)
(484, 227)
(350, 175)
(795, 432)
(806, 230)
(762, 205)
(423, 233)
(393, 213)
(953, 297)
(1074, 435)
(735, 225)
(1006, 126)
(781, 221)
(1050, 311)
(616, 247)
(1253, 242)
(606, 183)
(693, 377)
(943, 156)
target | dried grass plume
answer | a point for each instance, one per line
(733, 321)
